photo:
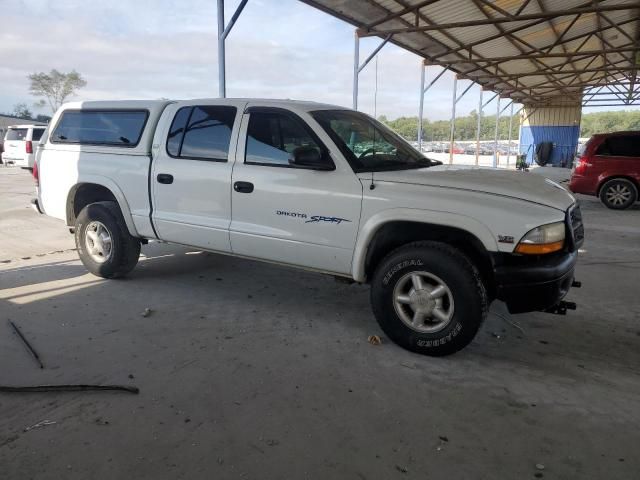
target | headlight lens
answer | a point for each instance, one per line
(544, 239)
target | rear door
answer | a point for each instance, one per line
(291, 215)
(193, 151)
(14, 145)
(619, 155)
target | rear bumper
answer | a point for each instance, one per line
(19, 162)
(584, 185)
(531, 284)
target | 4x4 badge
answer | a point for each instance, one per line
(505, 239)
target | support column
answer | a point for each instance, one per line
(223, 33)
(479, 124)
(510, 126)
(423, 67)
(495, 139)
(356, 67)
(453, 117)
(222, 86)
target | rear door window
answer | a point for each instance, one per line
(122, 128)
(201, 132)
(620, 146)
(17, 134)
(37, 134)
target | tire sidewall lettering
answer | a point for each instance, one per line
(398, 267)
(441, 341)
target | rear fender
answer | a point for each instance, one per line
(114, 189)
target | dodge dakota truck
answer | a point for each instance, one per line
(317, 187)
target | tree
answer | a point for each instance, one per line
(21, 110)
(55, 86)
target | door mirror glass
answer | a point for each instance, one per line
(308, 157)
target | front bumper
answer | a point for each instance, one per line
(528, 284)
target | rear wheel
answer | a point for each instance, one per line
(429, 298)
(618, 194)
(104, 245)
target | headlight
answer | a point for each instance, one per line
(544, 239)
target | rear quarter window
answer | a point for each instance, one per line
(37, 134)
(16, 134)
(121, 128)
(620, 146)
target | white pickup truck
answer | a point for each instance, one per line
(317, 187)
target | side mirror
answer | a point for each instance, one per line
(309, 157)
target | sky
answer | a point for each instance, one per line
(148, 49)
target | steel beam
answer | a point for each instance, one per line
(423, 67)
(424, 90)
(545, 15)
(495, 139)
(480, 106)
(223, 33)
(357, 68)
(510, 127)
(453, 117)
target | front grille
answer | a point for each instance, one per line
(574, 219)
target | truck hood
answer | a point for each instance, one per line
(520, 185)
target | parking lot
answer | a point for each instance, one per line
(251, 370)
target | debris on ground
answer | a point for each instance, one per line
(43, 423)
(146, 312)
(443, 438)
(374, 340)
(539, 466)
(26, 343)
(402, 469)
(66, 388)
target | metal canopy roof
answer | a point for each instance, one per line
(532, 51)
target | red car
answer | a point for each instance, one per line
(609, 167)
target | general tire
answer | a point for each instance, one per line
(618, 194)
(435, 263)
(124, 249)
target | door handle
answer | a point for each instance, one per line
(165, 178)
(243, 187)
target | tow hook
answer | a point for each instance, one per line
(561, 307)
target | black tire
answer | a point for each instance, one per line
(618, 194)
(125, 249)
(459, 275)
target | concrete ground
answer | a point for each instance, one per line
(248, 370)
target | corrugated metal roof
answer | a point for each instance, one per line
(534, 51)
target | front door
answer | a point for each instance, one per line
(191, 174)
(290, 214)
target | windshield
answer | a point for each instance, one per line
(368, 145)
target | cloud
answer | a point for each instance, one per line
(151, 49)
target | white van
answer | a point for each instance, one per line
(20, 144)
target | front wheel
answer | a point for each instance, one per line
(104, 245)
(618, 194)
(429, 298)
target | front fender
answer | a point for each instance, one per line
(376, 221)
(114, 189)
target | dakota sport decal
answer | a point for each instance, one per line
(312, 218)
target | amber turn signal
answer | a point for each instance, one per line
(540, 248)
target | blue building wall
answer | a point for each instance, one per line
(564, 138)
